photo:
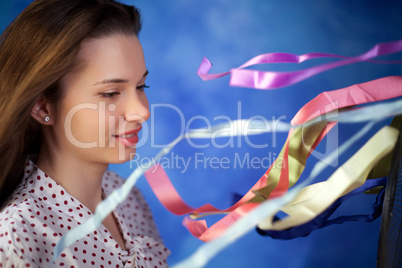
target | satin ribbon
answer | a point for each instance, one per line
(270, 207)
(111, 202)
(382, 168)
(119, 195)
(322, 221)
(201, 230)
(315, 198)
(322, 104)
(241, 77)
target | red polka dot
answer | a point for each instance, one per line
(40, 211)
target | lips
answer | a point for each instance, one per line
(129, 138)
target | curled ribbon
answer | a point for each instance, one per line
(276, 180)
(111, 202)
(268, 208)
(279, 185)
(241, 77)
(315, 198)
(322, 220)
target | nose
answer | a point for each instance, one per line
(136, 108)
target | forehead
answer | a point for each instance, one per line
(110, 57)
(114, 49)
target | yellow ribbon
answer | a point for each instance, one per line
(300, 143)
(314, 199)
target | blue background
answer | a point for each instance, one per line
(177, 34)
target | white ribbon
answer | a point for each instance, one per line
(234, 128)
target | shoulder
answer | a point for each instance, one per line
(16, 236)
(18, 207)
(20, 218)
(23, 224)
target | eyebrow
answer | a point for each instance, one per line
(117, 80)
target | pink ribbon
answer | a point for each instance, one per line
(377, 90)
(241, 77)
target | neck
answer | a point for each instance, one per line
(81, 179)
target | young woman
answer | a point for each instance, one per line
(72, 82)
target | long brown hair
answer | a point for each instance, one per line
(37, 49)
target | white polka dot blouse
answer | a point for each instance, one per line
(41, 211)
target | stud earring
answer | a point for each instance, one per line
(47, 118)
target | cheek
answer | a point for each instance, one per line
(84, 125)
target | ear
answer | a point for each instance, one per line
(41, 112)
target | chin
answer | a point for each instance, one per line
(120, 158)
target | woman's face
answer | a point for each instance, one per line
(104, 102)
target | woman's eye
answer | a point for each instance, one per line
(142, 87)
(109, 95)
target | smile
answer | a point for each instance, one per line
(130, 138)
(125, 136)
